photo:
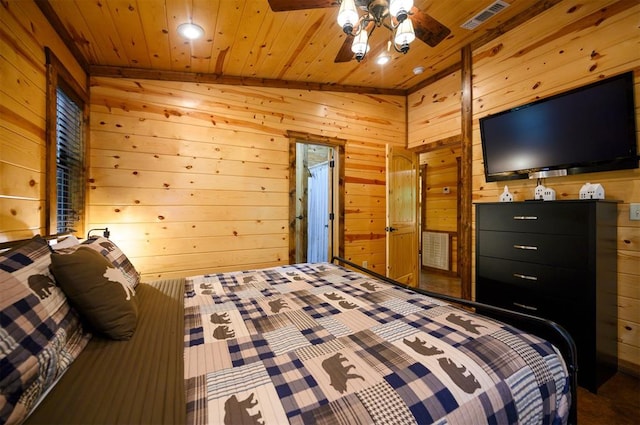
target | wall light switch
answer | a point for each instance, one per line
(634, 211)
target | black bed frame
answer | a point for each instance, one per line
(542, 327)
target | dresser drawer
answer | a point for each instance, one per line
(570, 251)
(537, 303)
(531, 277)
(534, 217)
(565, 312)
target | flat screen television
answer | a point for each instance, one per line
(588, 129)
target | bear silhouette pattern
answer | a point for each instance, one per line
(237, 411)
(338, 373)
(220, 319)
(467, 383)
(458, 374)
(223, 332)
(277, 305)
(420, 347)
(465, 324)
(41, 284)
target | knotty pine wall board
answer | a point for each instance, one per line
(434, 111)
(24, 33)
(200, 139)
(357, 117)
(567, 46)
(563, 48)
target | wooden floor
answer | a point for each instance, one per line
(618, 399)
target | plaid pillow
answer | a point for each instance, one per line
(120, 261)
(39, 336)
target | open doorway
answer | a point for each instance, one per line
(314, 202)
(440, 220)
(316, 209)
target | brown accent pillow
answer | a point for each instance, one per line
(100, 292)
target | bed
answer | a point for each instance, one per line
(304, 343)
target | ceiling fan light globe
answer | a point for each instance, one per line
(400, 9)
(348, 15)
(404, 33)
(360, 45)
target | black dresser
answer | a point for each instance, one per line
(557, 260)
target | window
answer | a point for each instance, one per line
(66, 112)
(69, 163)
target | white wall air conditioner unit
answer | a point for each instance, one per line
(435, 250)
(485, 14)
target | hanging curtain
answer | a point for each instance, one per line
(318, 213)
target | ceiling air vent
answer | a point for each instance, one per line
(493, 9)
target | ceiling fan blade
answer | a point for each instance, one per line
(287, 5)
(427, 28)
(345, 54)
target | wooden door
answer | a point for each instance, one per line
(402, 216)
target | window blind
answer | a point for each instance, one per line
(69, 163)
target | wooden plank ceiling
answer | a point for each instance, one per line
(246, 42)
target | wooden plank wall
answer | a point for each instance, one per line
(434, 112)
(23, 34)
(189, 178)
(434, 116)
(567, 46)
(193, 178)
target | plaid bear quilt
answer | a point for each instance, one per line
(318, 343)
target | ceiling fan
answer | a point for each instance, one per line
(426, 28)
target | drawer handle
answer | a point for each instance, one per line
(524, 276)
(527, 307)
(526, 247)
(525, 217)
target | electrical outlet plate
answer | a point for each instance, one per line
(634, 211)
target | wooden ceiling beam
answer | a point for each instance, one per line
(206, 78)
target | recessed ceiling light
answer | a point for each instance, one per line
(418, 70)
(190, 31)
(383, 59)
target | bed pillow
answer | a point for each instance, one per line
(99, 291)
(40, 335)
(107, 248)
(68, 242)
